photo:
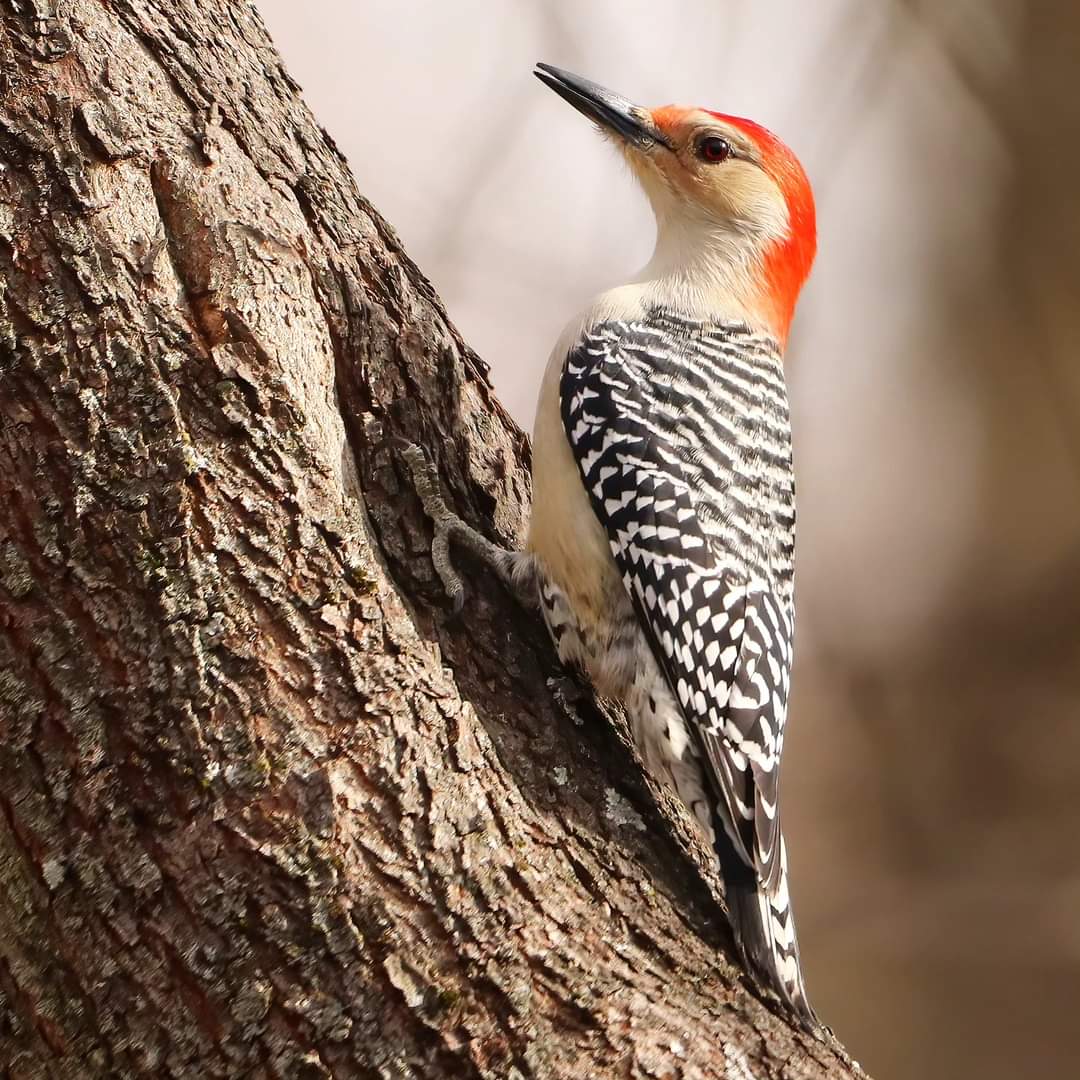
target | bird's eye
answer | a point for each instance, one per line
(714, 149)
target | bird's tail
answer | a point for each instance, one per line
(765, 930)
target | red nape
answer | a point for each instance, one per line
(787, 265)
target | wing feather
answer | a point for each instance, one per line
(680, 432)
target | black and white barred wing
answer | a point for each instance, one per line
(680, 433)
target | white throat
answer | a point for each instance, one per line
(702, 266)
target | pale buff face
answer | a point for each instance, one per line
(736, 195)
(734, 211)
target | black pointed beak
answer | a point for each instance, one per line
(608, 110)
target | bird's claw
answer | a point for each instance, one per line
(513, 568)
(568, 693)
(443, 521)
(444, 565)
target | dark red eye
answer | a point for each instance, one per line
(714, 149)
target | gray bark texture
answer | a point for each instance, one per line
(266, 808)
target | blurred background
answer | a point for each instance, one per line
(932, 781)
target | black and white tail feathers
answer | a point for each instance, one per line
(765, 928)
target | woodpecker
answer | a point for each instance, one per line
(661, 537)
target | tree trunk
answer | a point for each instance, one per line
(267, 811)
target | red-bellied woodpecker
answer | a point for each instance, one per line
(662, 531)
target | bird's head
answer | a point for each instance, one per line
(728, 195)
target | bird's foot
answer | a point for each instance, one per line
(513, 568)
(569, 694)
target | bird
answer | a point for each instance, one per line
(661, 537)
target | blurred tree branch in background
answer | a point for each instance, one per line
(960, 725)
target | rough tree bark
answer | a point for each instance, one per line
(267, 811)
